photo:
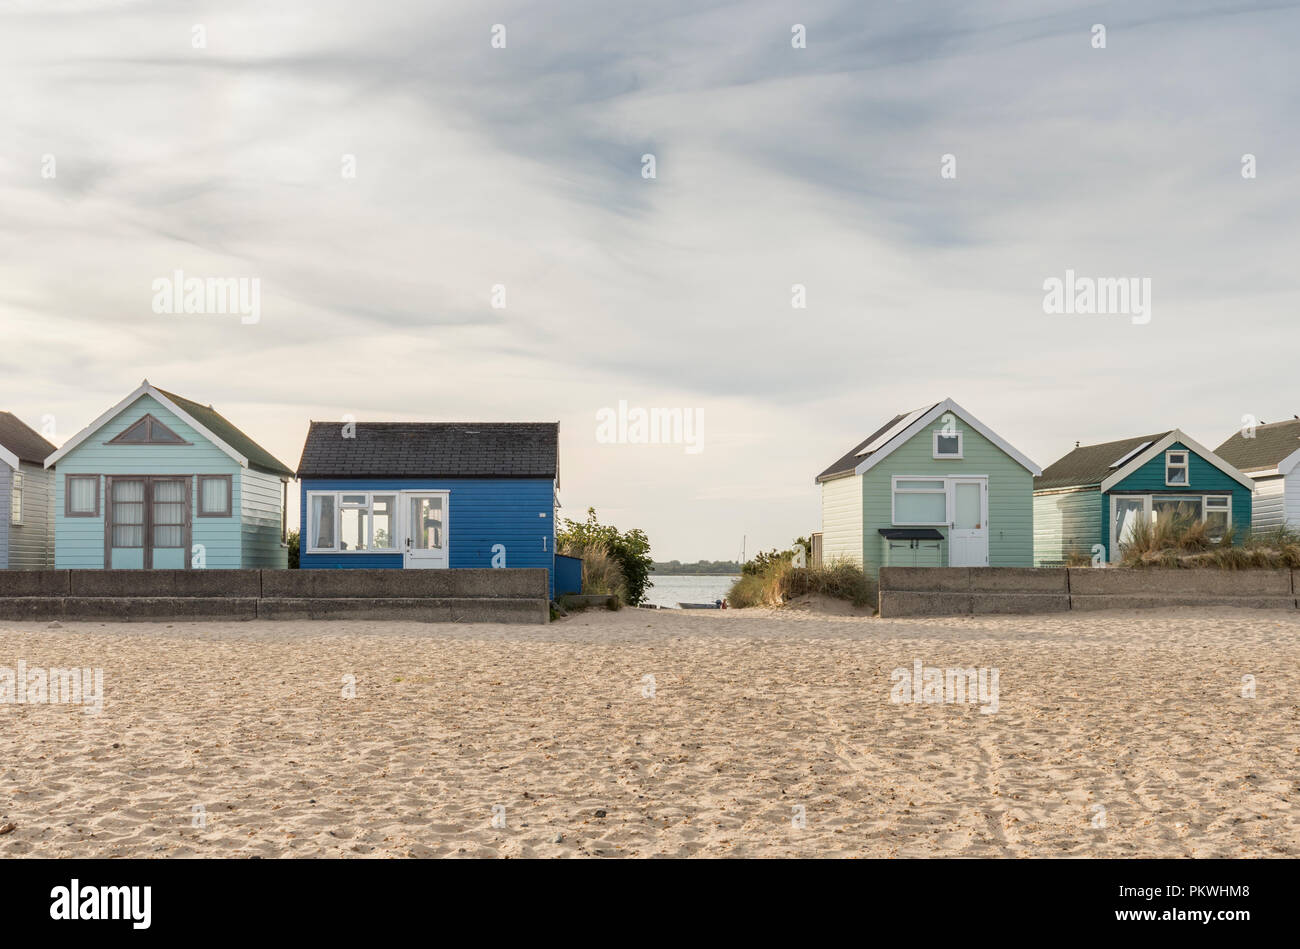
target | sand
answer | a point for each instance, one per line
(236, 740)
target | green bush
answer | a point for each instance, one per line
(630, 551)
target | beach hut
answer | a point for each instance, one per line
(429, 495)
(1270, 455)
(1087, 503)
(160, 481)
(934, 487)
(27, 495)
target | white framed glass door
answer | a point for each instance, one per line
(425, 522)
(968, 534)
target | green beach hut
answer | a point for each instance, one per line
(934, 487)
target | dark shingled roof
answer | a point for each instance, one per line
(1090, 464)
(258, 457)
(1272, 443)
(20, 439)
(431, 450)
(850, 461)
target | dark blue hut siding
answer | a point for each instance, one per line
(481, 513)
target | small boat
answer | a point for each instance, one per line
(700, 606)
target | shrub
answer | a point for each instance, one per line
(629, 551)
(294, 549)
(778, 580)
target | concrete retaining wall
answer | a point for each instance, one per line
(947, 591)
(457, 596)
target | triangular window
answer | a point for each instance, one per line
(147, 431)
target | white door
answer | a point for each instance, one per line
(426, 529)
(968, 535)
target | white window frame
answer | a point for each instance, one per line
(1185, 465)
(1205, 508)
(934, 445)
(368, 507)
(942, 489)
(16, 501)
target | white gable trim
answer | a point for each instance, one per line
(8, 457)
(1159, 448)
(1288, 464)
(144, 389)
(947, 405)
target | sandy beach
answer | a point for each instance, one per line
(655, 733)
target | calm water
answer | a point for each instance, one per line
(669, 591)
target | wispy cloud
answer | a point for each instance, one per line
(521, 167)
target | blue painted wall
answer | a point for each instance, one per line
(480, 513)
(568, 574)
(1203, 478)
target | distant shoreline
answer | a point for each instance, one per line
(703, 568)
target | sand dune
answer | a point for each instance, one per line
(753, 716)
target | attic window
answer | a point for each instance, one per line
(1176, 469)
(947, 444)
(147, 431)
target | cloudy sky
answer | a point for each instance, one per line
(522, 167)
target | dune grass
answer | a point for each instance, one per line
(601, 573)
(781, 581)
(1184, 541)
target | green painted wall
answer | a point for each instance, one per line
(1066, 524)
(1011, 508)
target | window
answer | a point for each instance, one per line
(920, 502)
(214, 495)
(1218, 516)
(16, 500)
(1176, 468)
(169, 510)
(128, 513)
(1127, 511)
(147, 431)
(81, 495)
(320, 524)
(947, 444)
(352, 522)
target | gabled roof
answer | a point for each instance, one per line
(204, 419)
(1272, 445)
(19, 442)
(431, 450)
(1090, 464)
(208, 417)
(1106, 465)
(900, 429)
